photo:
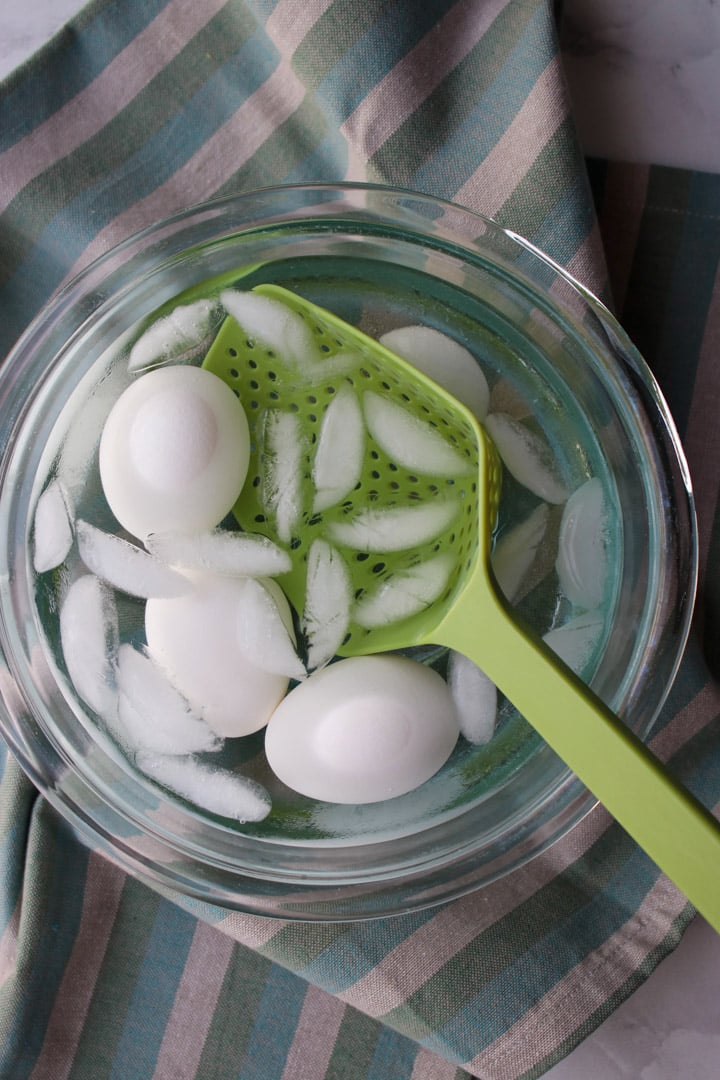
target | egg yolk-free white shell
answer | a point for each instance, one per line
(174, 452)
(362, 729)
(194, 638)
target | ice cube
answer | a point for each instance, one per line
(126, 566)
(339, 456)
(178, 336)
(264, 629)
(575, 641)
(270, 323)
(322, 368)
(404, 593)
(446, 361)
(282, 471)
(89, 640)
(475, 697)
(152, 714)
(395, 528)
(219, 791)
(220, 552)
(505, 397)
(85, 417)
(410, 442)
(328, 595)
(527, 457)
(515, 551)
(582, 556)
(52, 531)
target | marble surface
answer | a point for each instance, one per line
(27, 25)
(644, 76)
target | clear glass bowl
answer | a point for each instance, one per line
(382, 258)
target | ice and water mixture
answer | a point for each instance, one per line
(197, 645)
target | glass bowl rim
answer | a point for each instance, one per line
(577, 798)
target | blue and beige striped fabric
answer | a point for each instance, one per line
(142, 107)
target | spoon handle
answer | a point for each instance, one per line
(675, 829)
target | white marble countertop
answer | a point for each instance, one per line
(645, 81)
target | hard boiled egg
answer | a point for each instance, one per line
(362, 729)
(194, 639)
(174, 452)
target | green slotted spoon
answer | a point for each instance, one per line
(471, 615)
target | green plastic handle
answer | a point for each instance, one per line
(676, 830)
(672, 826)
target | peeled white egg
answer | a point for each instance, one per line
(194, 639)
(362, 729)
(174, 452)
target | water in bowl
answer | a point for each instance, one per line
(377, 296)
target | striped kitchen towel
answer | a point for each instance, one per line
(142, 107)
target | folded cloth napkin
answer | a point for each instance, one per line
(142, 107)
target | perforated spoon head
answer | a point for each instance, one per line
(270, 385)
